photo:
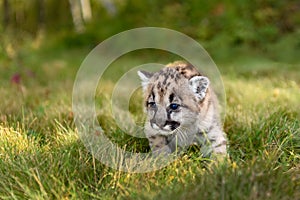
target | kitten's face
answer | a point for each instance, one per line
(172, 99)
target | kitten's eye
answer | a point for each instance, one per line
(174, 106)
(151, 104)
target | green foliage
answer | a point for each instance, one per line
(252, 23)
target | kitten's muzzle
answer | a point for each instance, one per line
(166, 125)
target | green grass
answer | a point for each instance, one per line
(41, 156)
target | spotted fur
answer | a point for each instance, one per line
(181, 110)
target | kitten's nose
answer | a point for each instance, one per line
(158, 122)
(160, 117)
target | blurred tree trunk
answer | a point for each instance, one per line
(41, 11)
(6, 12)
(76, 15)
(86, 10)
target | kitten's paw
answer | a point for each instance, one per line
(162, 151)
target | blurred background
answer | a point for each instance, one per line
(265, 28)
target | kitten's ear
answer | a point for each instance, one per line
(145, 76)
(199, 85)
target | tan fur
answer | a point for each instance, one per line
(195, 118)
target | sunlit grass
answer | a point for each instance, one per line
(41, 156)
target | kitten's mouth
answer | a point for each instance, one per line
(172, 124)
(168, 129)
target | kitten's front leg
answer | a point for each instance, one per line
(158, 145)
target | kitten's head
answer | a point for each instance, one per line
(173, 96)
